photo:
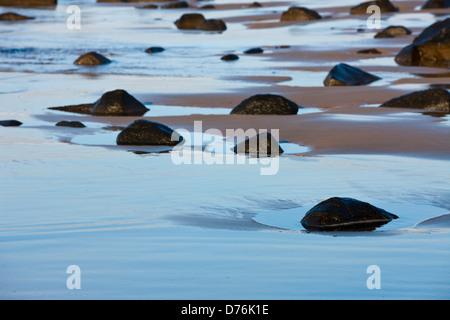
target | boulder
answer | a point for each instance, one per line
(392, 32)
(154, 50)
(212, 25)
(437, 99)
(91, 59)
(254, 51)
(436, 4)
(145, 132)
(118, 103)
(175, 5)
(189, 21)
(384, 5)
(112, 103)
(346, 75)
(299, 14)
(266, 104)
(230, 57)
(369, 51)
(28, 3)
(72, 124)
(431, 48)
(12, 16)
(261, 145)
(10, 123)
(345, 214)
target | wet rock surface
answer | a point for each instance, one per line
(393, 31)
(154, 50)
(12, 16)
(346, 75)
(10, 123)
(436, 4)
(436, 99)
(212, 25)
(254, 51)
(384, 5)
(91, 59)
(261, 145)
(431, 48)
(113, 103)
(299, 14)
(145, 132)
(266, 104)
(345, 214)
(72, 124)
(230, 57)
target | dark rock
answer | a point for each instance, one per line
(261, 145)
(27, 3)
(145, 132)
(91, 59)
(431, 48)
(118, 103)
(12, 16)
(437, 99)
(175, 5)
(346, 75)
(254, 51)
(266, 104)
(148, 6)
(212, 25)
(73, 124)
(154, 50)
(230, 57)
(255, 5)
(299, 14)
(369, 51)
(384, 5)
(436, 4)
(345, 214)
(10, 123)
(207, 7)
(112, 103)
(392, 32)
(189, 21)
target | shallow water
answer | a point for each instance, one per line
(141, 226)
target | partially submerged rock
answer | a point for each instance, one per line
(299, 14)
(189, 21)
(175, 5)
(212, 25)
(254, 51)
(10, 123)
(436, 4)
(261, 145)
(345, 214)
(384, 5)
(91, 59)
(12, 16)
(346, 75)
(72, 124)
(118, 103)
(393, 31)
(266, 104)
(369, 51)
(437, 99)
(112, 103)
(154, 49)
(431, 48)
(145, 132)
(230, 57)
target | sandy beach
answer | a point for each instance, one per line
(140, 226)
